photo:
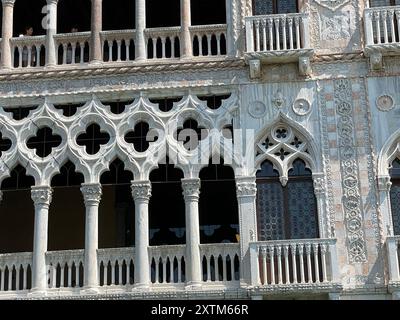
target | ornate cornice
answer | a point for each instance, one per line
(141, 190)
(91, 193)
(42, 195)
(86, 71)
(246, 187)
(191, 189)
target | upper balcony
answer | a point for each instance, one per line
(279, 38)
(382, 29)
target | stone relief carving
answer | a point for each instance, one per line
(332, 4)
(335, 27)
(257, 109)
(352, 202)
(385, 102)
(301, 107)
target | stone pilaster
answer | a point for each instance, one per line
(7, 33)
(191, 193)
(320, 195)
(246, 190)
(92, 196)
(384, 185)
(141, 193)
(41, 197)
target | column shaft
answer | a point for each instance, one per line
(7, 33)
(140, 45)
(51, 24)
(41, 197)
(141, 193)
(186, 22)
(92, 196)
(191, 192)
(96, 26)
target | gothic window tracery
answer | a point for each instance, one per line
(395, 195)
(44, 141)
(93, 139)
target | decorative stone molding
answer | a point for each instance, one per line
(191, 189)
(91, 193)
(385, 102)
(42, 195)
(141, 190)
(246, 187)
(384, 183)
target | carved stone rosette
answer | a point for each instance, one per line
(191, 189)
(42, 195)
(141, 190)
(91, 193)
(246, 187)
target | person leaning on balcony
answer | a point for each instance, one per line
(28, 32)
(74, 29)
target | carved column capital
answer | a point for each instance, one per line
(191, 189)
(49, 2)
(91, 193)
(384, 183)
(141, 190)
(42, 195)
(9, 3)
(246, 187)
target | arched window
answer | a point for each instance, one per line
(286, 212)
(262, 7)
(395, 195)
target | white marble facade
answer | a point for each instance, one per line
(334, 83)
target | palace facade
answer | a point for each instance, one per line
(200, 149)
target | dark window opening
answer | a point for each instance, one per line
(44, 142)
(167, 207)
(67, 210)
(214, 101)
(17, 213)
(68, 109)
(117, 107)
(288, 212)
(140, 137)
(208, 12)
(118, 14)
(28, 13)
(263, 7)
(395, 195)
(166, 104)
(126, 51)
(93, 139)
(74, 15)
(383, 3)
(191, 134)
(218, 206)
(163, 13)
(117, 208)
(20, 113)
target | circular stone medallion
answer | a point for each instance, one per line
(301, 107)
(257, 109)
(385, 102)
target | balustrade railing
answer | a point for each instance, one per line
(65, 268)
(163, 43)
(220, 262)
(72, 48)
(28, 51)
(167, 264)
(15, 272)
(116, 266)
(277, 32)
(393, 253)
(382, 25)
(118, 45)
(290, 262)
(209, 40)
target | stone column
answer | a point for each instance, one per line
(7, 33)
(92, 196)
(246, 193)
(41, 197)
(384, 185)
(51, 25)
(140, 45)
(319, 191)
(96, 26)
(230, 43)
(141, 193)
(191, 193)
(186, 21)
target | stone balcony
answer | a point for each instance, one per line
(293, 266)
(278, 38)
(382, 28)
(393, 253)
(66, 270)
